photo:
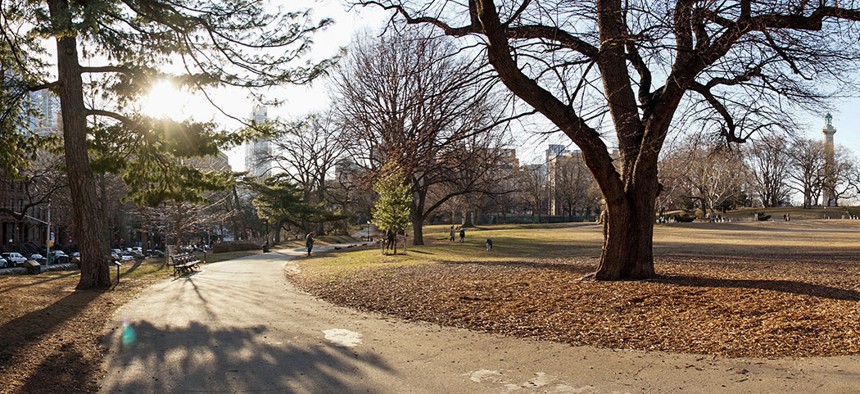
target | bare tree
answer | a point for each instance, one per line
(846, 175)
(532, 188)
(417, 102)
(307, 151)
(806, 170)
(575, 190)
(733, 65)
(710, 175)
(769, 164)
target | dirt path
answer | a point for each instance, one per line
(239, 326)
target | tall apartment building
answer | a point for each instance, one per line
(45, 118)
(258, 153)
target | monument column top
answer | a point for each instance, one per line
(828, 125)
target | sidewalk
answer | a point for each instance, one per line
(239, 326)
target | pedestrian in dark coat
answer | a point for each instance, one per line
(309, 242)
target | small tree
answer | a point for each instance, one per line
(391, 210)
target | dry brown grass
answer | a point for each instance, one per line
(750, 289)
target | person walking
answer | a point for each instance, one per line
(451, 234)
(462, 234)
(309, 242)
(489, 243)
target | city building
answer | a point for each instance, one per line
(258, 153)
(44, 118)
(570, 184)
(27, 231)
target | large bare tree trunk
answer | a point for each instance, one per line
(417, 228)
(627, 245)
(90, 228)
(416, 215)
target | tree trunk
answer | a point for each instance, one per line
(320, 199)
(278, 231)
(417, 228)
(416, 215)
(628, 238)
(90, 228)
(467, 219)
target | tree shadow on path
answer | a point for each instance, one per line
(201, 358)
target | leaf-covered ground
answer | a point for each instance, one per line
(760, 290)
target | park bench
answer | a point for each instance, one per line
(184, 263)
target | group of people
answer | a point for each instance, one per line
(452, 235)
(454, 232)
(390, 239)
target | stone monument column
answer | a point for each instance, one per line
(829, 186)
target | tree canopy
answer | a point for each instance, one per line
(391, 209)
(734, 68)
(109, 52)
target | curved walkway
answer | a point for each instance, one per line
(239, 327)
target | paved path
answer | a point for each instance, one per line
(240, 327)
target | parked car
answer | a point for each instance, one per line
(14, 259)
(38, 258)
(4, 263)
(154, 253)
(61, 257)
(126, 256)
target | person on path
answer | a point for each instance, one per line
(489, 244)
(309, 242)
(451, 234)
(462, 234)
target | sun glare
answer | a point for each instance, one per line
(166, 101)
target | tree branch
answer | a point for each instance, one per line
(110, 114)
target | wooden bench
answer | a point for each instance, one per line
(184, 263)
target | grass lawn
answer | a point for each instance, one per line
(737, 289)
(50, 332)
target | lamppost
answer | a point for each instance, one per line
(368, 231)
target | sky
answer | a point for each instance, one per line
(300, 100)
